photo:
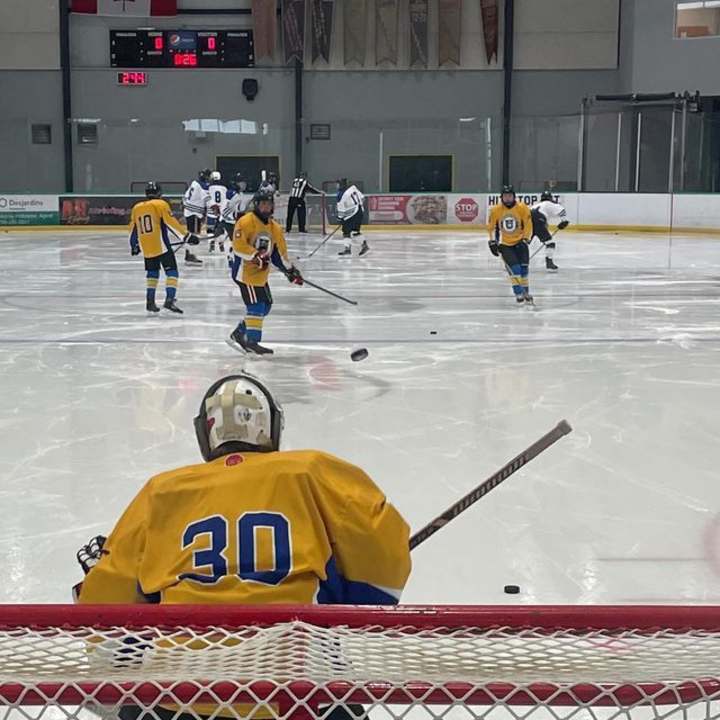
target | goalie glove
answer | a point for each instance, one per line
(493, 245)
(88, 555)
(191, 239)
(293, 275)
(563, 225)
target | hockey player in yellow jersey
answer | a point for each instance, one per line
(510, 229)
(150, 222)
(257, 242)
(253, 524)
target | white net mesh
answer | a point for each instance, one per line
(420, 664)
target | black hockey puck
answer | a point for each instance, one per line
(512, 589)
(433, 332)
(358, 355)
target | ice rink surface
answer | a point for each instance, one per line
(95, 397)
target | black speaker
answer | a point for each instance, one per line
(250, 88)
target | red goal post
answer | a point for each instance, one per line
(410, 661)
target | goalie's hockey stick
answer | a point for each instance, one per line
(560, 430)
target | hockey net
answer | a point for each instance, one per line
(345, 663)
(316, 212)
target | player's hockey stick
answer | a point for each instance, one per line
(329, 292)
(327, 237)
(561, 429)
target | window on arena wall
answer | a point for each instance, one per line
(421, 173)
(697, 19)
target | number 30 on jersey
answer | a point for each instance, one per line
(254, 535)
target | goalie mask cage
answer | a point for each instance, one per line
(343, 663)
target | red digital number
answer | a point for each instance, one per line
(126, 78)
(212, 43)
(185, 60)
(158, 43)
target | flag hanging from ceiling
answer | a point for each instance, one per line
(293, 22)
(265, 21)
(127, 8)
(449, 36)
(322, 16)
(354, 31)
(418, 33)
(489, 9)
(386, 31)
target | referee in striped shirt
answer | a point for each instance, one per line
(296, 201)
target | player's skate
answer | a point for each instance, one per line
(520, 299)
(528, 298)
(221, 246)
(259, 349)
(238, 341)
(150, 306)
(211, 247)
(346, 252)
(550, 266)
(172, 307)
(364, 249)
(191, 259)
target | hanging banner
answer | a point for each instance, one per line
(354, 32)
(322, 14)
(489, 10)
(386, 31)
(418, 33)
(265, 19)
(449, 35)
(293, 23)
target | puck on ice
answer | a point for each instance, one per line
(512, 589)
(358, 355)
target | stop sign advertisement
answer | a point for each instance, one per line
(466, 210)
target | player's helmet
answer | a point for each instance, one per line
(263, 195)
(215, 176)
(238, 414)
(546, 195)
(342, 184)
(508, 190)
(153, 189)
(204, 175)
(240, 182)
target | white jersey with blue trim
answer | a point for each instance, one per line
(216, 198)
(550, 210)
(195, 199)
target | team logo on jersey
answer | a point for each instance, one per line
(509, 224)
(263, 243)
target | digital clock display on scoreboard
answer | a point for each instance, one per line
(181, 48)
(132, 77)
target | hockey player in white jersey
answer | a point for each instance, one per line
(194, 204)
(541, 212)
(216, 202)
(350, 210)
(236, 206)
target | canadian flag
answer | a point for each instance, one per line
(127, 8)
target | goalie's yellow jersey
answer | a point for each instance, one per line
(251, 236)
(510, 225)
(282, 527)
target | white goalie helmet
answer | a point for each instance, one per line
(215, 176)
(238, 414)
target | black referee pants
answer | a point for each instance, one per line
(295, 203)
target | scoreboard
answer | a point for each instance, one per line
(181, 48)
